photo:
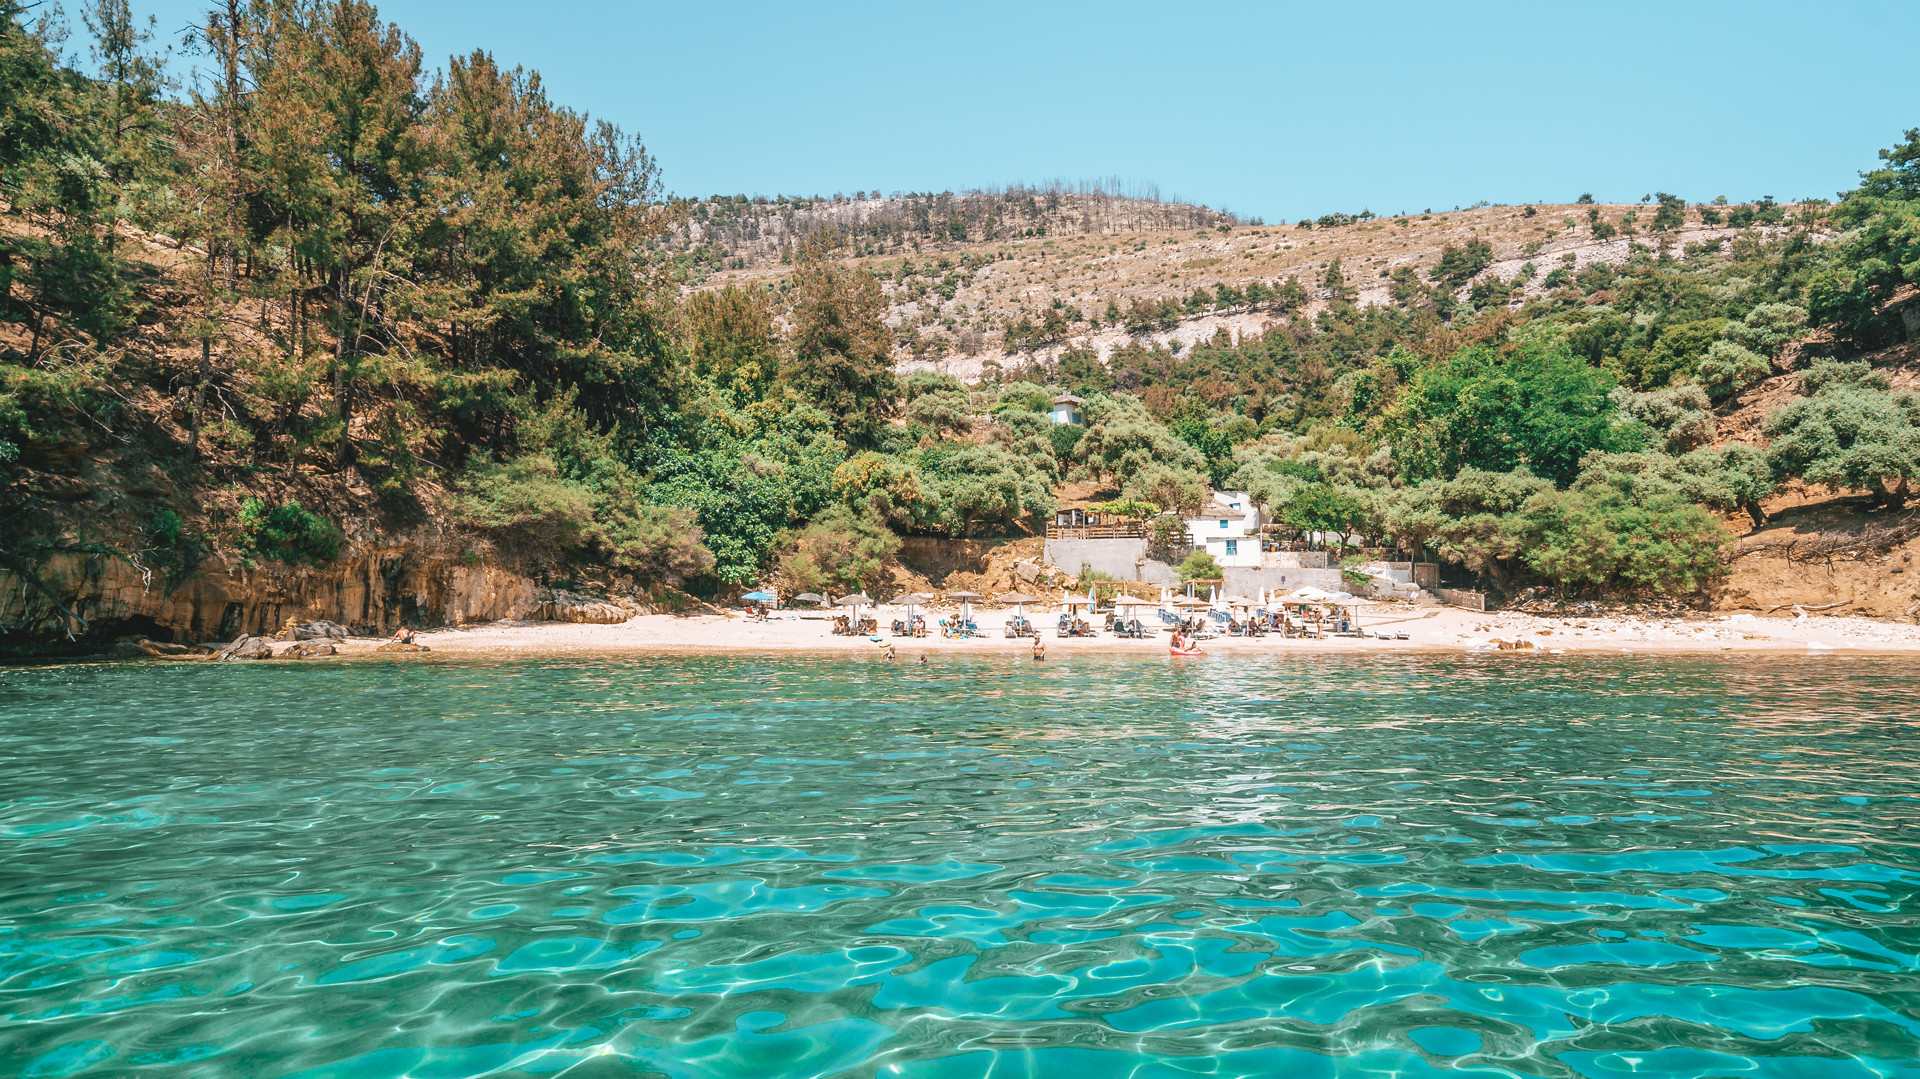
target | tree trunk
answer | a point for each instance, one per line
(1754, 511)
(199, 398)
(343, 453)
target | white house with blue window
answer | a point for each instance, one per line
(1066, 409)
(1228, 528)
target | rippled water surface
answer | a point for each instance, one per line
(1099, 867)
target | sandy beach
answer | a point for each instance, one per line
(1427, 630)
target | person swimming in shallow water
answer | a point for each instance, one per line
(890, 655)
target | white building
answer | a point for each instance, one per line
(1066, 409)
(1228, 528)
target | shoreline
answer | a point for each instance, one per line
(1429, 630)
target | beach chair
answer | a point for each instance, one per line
(1167, 617)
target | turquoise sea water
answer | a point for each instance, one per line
(1328, 866)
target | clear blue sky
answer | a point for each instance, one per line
(1279, 110)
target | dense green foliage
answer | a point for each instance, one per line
(839, 552)
(443, 284)
(287, 532)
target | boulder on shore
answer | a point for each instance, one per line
(321, 630)
(247, 648)
(309, 650)
(402, 646)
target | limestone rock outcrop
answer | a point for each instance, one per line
(368, 591)
(247, 648)
(309, 650)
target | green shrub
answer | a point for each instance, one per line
(1175, 488)
(1198, 566)
(525, 505)
(842, 551)
(1065, 439)
(1322, 507)
(287, 533)
(1127, 507)
(921, 383)
(1727, 369)
(166, 527)
(1459, 263)
(1351, 573)
(1599, 538)
(1851, 433)
(1678, 414)
(1168, 530)
(943, 411)
(964, 485)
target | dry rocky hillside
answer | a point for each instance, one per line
(1818, 552)
(954, 306)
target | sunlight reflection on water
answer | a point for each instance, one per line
(1101, 866)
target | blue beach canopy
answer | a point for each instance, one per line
(758, 597)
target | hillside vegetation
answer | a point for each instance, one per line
(1096, 280)
(331, 294)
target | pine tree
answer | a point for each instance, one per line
(841, 344)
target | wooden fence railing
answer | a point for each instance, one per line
(1132, 531)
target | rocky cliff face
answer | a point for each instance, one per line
(371, 590)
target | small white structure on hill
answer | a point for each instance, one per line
(1228, 528)
(1066, 409)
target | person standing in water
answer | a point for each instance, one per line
(1039, 650)
(890, 657)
